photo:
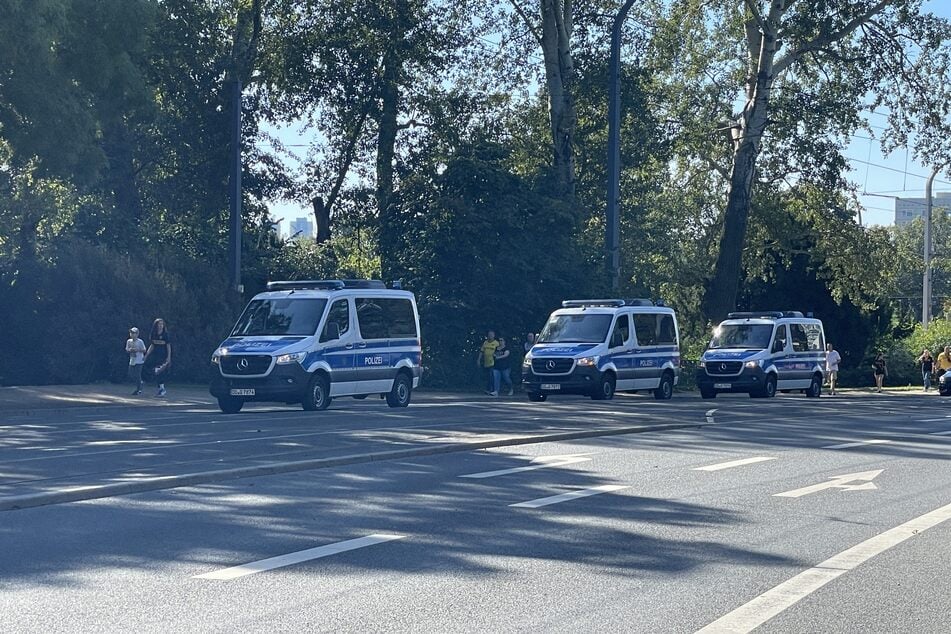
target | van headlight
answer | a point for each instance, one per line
(217, 354)
(752, 364)
(527, 361)
(702, 363)
(587, 362)
(291, 357)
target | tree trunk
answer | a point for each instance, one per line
(322, 217)
(559, 79)
(125, 190)
(386, 135)
(720, 297)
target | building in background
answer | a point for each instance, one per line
(301, 228)
(907, 209)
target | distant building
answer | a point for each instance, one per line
(301, 228)
(907, 209)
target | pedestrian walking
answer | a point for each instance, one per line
(486, 360)
(135, 348)
(502, 370)
(529, 342)
(879, 370)
(833, 359)
(943, 362)
(927, 367)
(158, 358)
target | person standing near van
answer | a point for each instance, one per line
(879, 370)
(927, 367)
(529, 342)
(158, 358)
(943, 362)
(486, 360)
(502, 370)
(135, 348)
(833, 359)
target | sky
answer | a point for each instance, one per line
(878, 178)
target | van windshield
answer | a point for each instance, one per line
(286, 316)
(585, 328)
(752, 336)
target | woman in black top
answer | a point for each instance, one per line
(502, 370)
(880, 370)
(927, 367)
(158, 358)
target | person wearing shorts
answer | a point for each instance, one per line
(158, 358)
(833, 359)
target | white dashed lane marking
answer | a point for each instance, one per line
(297, 557)
(543, 462)
(860, 443)
(734, 463)
(574, 495)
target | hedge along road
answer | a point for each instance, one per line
(75, 453)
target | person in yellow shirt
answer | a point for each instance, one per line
(943, 362)
(486, 360)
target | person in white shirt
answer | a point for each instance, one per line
(135, 348)
(833, 359)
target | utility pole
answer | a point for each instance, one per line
(612, 237)
(234, 188)
(926, 281)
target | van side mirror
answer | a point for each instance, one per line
(331, 331)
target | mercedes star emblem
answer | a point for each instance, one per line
(551, 365)
(722, 367)
(243, 364)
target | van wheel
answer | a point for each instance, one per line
(707, 393)
(815, 388)
(768, 390)
(665, 390)
(605, 389)
(401, 393)
(537, 397)
(318, 394)
(230, 404)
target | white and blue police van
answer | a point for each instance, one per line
(761, 352)
(308, 342)
(595, 347)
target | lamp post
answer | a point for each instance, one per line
(926, 280)
(234, 189)
(613, 222)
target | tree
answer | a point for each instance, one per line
(791, 51)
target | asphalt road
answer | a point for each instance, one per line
(791, 515)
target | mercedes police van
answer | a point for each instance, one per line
(761, 352)
(595, 347)
(311, 341)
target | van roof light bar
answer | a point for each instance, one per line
(765, 314)
(586, 303)
(323, 285)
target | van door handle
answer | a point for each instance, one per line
(361, 344)
(349, 346)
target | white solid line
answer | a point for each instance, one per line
(774, 601)
(860, 443)
(574, 495)
(297, 557)
(940, 433)
(734, 463)
(532, 467)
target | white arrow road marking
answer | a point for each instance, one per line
(574, 495)
(734, 463)
(860, 443)
(298, 557)
(709, 415)
(748, 617)
(543, 462)
(837, 482)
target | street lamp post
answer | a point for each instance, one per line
(235, 186)
(926, 280)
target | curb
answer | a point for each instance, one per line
(17, 502)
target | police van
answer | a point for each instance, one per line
(761, 352)
(595, 347)
(311, 341)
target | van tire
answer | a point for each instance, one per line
(537, 397)
(815, 388)
(605, 389)
(707, 393)
(317, 397)
(665, 390)
(768, 390)
(230, 404)
(402, 391)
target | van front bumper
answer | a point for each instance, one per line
(749, 380)
(580, 381)
(285, 383)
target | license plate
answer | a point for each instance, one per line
(722, 386)
(551, 386)
(242, 392)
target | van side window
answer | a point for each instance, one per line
(622, 332)
(666, 332)
(386, 318)
(800, 340)
(814, 332)
(339, 314)
(645, 327)
(779, 344)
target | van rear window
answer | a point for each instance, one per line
(386, 318)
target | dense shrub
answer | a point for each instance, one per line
(65, 319)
